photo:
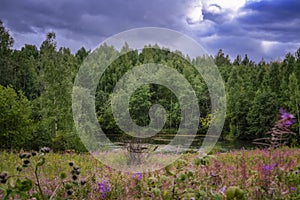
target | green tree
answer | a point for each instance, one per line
(262, 114)
(294, 101)
(25, 64)
(237, 60)
(7, 71)
(81, 54)
(139, 105)
(58, 69)
(220, 59)
(16, 124)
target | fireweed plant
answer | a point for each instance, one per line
(279, 136)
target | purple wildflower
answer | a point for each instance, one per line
(223, 190)
(104, 188)
(293, 189)
(286, 120)
(285, 115)
(138, 175)
(268, 168)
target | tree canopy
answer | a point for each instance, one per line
(36, 92)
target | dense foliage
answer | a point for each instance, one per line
(36, 88)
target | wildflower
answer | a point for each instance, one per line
(285, 114)
(286, 120)
(293, 189)
(223, 190)
(138, 175)
(268, 168)
(104, 188)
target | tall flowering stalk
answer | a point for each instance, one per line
(280, 133)
(279, 136)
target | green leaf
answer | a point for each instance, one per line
(24, 185)
(168, 171)
(40, 162)
(63, 175)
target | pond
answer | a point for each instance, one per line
(161, 140)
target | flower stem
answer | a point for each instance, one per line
(38, 182)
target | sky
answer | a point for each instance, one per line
(266, 29)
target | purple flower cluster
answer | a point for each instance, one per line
(138, 175)
(293, 189)
(268, 168)
(286, 120)
(104, 188)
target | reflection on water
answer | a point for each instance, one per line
(163, 139)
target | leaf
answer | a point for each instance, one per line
(63, 175)
(40, 162)
(168, 171)
(24, 185)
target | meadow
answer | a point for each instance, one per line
(240, 174)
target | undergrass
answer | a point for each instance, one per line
(251, 174)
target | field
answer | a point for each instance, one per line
(243, 174)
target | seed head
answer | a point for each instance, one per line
(19, 168)
(22, 155)
(3, 175)
(45, 150)
(71, 163)
(83, 182)
(74, 177)
(33, 153)
(26, 161)
(70, 192)
(3, 181)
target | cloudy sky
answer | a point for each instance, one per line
(260, 28)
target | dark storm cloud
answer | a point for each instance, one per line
(257, 21)
(86, 23)
(276, 20)
(92, 17)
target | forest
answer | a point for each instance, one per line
(36, 93)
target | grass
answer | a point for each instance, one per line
(243, 174)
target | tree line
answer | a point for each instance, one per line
(36, 92)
